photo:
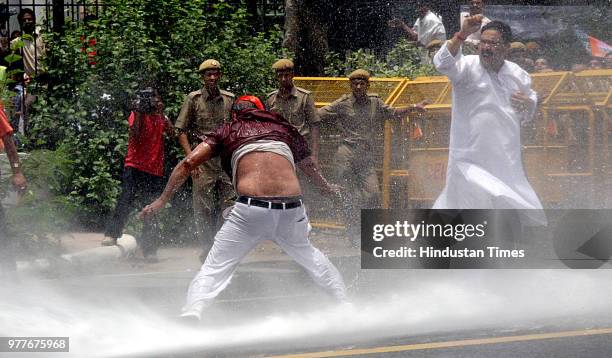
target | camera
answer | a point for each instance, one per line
(145, 100)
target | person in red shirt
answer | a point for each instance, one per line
(260, 150)
(7, 259)
(143, 170)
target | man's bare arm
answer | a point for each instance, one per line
(179, 175)
(310, 169)
(397, 23)
(169, 127)
(314, 142)
(18, 179)
(470, 25)
(418, 107)
(184, 142)
(136, 126)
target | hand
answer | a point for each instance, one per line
(19, 183)
(333, 190)
(196, 172)
(395, 22)
(152, 208)
(420, 107)
(315, 162)
(159, 107)
(471, 24)
(520, 101)
(169, 127)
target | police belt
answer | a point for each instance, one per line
(293, 203)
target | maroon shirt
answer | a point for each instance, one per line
(251, 125)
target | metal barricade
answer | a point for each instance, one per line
(566, 152)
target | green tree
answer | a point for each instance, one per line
(84, 110)
(404, 60)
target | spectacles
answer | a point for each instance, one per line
(493, 44)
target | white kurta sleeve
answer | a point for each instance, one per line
(453, 67)
(439, 32)
(524, 85)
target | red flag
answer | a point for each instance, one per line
(417, 132)
(598, 47)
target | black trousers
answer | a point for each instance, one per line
(137, 190)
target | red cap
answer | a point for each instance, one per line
(253, 99)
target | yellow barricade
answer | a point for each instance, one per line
(566, 154)
(326, 90)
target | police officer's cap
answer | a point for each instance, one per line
(282, 64)
(359, 74)
(209, 64)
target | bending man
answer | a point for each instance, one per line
(258, 150)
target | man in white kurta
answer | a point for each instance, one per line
(491, 97)
(428, 26)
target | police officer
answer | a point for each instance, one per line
(360, 117)
(203, 111)
(295, 104)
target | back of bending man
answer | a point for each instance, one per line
(258, 149)
(491, 97)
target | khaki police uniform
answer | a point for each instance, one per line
(297, 108)
(212, 190)
(361, 126)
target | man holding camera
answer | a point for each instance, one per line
(143, 170)
(203, 111)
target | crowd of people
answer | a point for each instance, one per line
(428, 32)
(29, 45)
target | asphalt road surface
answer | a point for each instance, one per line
(272, 309)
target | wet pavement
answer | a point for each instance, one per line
(272, 308)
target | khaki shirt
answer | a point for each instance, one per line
(358, 122)
(298, 108)
(202, 113)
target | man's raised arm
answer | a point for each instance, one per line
(312, 171)
(446, 59)
(181, 172)
(470, 25)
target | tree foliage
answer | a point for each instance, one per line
(404, 60)
(85, 108)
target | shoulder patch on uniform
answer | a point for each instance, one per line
(227, 93)
(344, 97)
(300, 89)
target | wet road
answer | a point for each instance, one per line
(271, 309)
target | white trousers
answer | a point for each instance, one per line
(242, 231)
